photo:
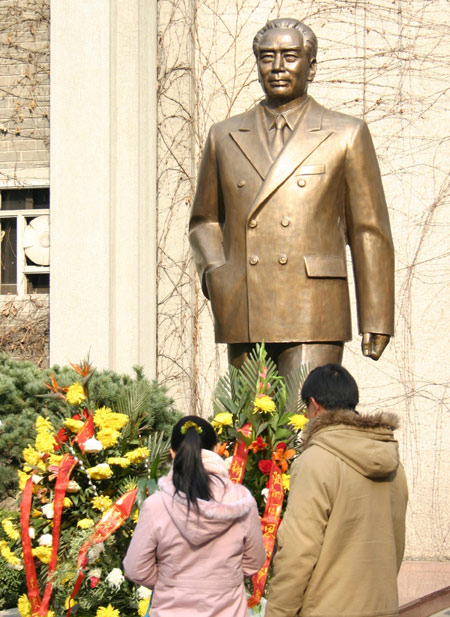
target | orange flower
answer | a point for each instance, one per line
(258, 445)
(83, 369)
(281, 456)
(222, 449)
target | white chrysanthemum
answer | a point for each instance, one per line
(48, 510)
(36, 478)
(95, 551)
(73, 487)
(92, 446)
(265, 493)
(115, 578)
(45, 540)
(143, 593)
(32, 532)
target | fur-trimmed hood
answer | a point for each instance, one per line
(365, 442)
(230, 502)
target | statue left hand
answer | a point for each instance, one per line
(373, 345)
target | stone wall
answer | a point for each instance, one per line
(386, 61)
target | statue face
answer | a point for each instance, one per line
(284, 67)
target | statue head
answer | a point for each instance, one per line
(285, 51)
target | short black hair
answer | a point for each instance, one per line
(332, 386)
(309, 38)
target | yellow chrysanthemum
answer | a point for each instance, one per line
(135, 516)
(138, 455)
(8, 555)
(101, 503)
(108, 437)
(222, 419)
(24, 606)
(100, 472)
(68, 601)
(43, 553)
(264, 404)
(9, 529)
(23, 479)
(118, 460)
(67, 502)
(43, 425)
(143, 606)
(286, 479)
(36, 513)
(54, 459)
(85, 523)
(107, 611)
(101, 416)
(75, 394)
(31, 456)
(298, 421)
(45, 442)
(74, 426)
(117, 421)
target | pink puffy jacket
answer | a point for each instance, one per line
(196, 563)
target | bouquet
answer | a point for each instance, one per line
(258, 417)
(82, 485)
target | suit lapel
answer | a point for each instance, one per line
(251, 139)
(307, 136)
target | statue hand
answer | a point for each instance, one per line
(373, 345)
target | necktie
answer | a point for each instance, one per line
(277, 142)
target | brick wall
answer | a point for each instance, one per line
(24, 91)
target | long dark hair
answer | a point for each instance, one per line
(189, 436)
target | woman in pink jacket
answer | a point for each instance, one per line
(199, 536)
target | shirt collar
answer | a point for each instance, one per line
(291, 112)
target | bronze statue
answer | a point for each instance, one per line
(282, 189)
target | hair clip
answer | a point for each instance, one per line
(190, 424)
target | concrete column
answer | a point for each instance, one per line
(103, 183)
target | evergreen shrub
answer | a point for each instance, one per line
(23, 395)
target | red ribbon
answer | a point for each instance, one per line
(30, 568)
(240, 454)
(107, 525)
(38, 606)
(269, 523)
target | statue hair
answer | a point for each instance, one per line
(309, 38)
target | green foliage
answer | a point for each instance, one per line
(23, 395)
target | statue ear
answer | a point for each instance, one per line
(312, 69)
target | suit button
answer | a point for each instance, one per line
(253, 223)
(282, 259)
(301, 182)
(254, 260)
(285, 221)
(241, 183)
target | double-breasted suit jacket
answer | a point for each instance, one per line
(269, 237)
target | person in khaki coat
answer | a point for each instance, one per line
(341, 542)
(276, 206)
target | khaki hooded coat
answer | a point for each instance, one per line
(341, 542)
